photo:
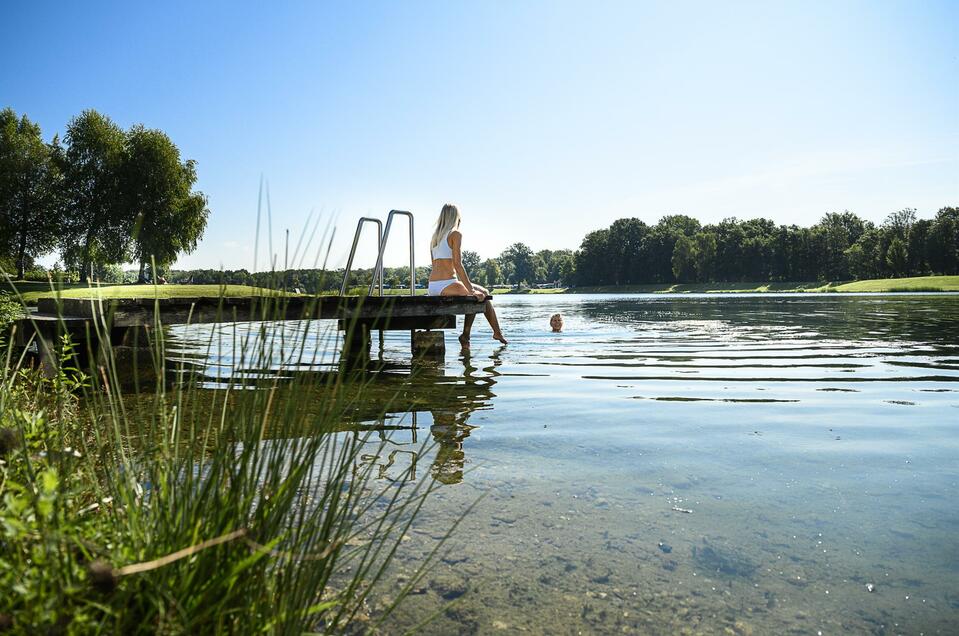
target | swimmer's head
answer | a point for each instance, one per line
(556, 322)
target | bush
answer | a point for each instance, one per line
(10, 309)
(36, 273)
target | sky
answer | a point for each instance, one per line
(542, 121)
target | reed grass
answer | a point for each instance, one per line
(180, 509)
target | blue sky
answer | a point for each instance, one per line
(541, 120)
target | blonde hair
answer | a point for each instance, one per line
(448, 221)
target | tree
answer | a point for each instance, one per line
(29, 191)
(560, 267)
(839, 232)
(896, 257)
(493, 272)
(97, 227)
(520, 257)
(705, 256)
(684, 259)
(111, 273)
(862, 258)
(900, 222)
(157, 189)
(471, 263)
(592, 259)
(944, 242)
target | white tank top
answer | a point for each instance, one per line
(442, 249)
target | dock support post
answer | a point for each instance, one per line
(47, 353)
(132, 352)
(356, 344)
(428, 343)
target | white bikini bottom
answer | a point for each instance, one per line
(437, 286)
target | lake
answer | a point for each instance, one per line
(738, 464)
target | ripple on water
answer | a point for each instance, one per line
(583, 443)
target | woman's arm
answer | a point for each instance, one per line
(455, 240)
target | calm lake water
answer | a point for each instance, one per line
(698, 464)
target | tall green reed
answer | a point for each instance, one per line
(180, 509)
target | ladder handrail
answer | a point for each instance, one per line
(379, 250)
(382, 251)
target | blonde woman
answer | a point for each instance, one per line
(449, 278)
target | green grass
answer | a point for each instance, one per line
(915, 284)
(697, 288)
(882, 285)
(30, 294)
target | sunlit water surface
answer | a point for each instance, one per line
(697, 464)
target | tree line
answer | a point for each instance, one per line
(679, 249)
(842, 246)
(517, 265)
(103, 196)
(106, 196)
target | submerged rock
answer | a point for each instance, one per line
(665, 547)
(723, 560)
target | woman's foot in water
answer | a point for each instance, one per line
(464, 342)
(498, 335)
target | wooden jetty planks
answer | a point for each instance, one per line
(378, 312)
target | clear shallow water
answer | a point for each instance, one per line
(707, 464)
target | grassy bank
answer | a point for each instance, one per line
(885, 285)
(32, 291)
(914, 284)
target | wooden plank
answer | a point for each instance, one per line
(401, 323)
(51, 327)
(130, 312)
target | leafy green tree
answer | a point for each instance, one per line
(862, 258)
(30, 214)
(97, 224)
(471, 263)
(494, 275)
(917, 247)
(944, 242)
(111, 273)
(592, 265)
(684, 259)
(158, 190)
(523, 265)
(900, 222)
(705, 244)
(896, 257)
(560, 267)
(627, 251)
(839, 231)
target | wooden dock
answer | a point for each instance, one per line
(357, 316)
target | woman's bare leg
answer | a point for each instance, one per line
(490, 314)
(467, 326)
(459, 289)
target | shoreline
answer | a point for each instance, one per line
(917, 284)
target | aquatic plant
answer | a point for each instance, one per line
(176, 509)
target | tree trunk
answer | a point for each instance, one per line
(85, 261)
(22, 255)
(141, 277)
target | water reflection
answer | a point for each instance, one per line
(716, 464)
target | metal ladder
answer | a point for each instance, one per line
(381, 238)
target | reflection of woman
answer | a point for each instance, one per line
(449, 430)
(449, 278)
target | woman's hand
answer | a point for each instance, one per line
(480, 296)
